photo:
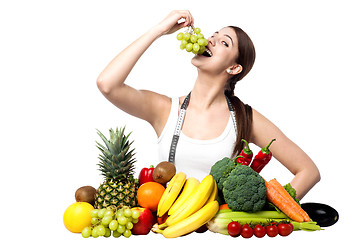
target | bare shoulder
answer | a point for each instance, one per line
(263, 130)
(260, 122)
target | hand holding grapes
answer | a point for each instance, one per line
(172, 22)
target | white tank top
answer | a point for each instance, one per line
(195, 157)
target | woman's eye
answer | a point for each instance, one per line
(224, 43)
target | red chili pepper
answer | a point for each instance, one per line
(262, 158)
(146, 175)
(247, 153)
(241, 160)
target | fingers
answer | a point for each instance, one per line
(188, 18)
(175, 20)
(184, 17)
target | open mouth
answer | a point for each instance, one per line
(207, 53)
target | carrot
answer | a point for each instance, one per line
(279, 201)
(274, 183)
(223, 206)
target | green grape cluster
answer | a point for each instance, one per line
(111, 221)
(192, 40)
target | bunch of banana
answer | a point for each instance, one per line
(188, 209)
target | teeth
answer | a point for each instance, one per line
(209, 52)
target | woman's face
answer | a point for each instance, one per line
(221, 53)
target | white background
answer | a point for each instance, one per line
(305, 79)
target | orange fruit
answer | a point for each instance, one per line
(149, 195)
(77, 216)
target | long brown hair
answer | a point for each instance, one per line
(246, 58)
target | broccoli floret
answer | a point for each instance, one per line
(221, 170)
(244, 190)
(292, 192)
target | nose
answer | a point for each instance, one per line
(211, 40)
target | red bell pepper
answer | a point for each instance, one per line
(146, 175)
(262, 158)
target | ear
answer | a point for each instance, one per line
(236, 69)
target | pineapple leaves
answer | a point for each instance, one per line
(116, 159)
(105, 140)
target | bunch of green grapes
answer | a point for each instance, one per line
(111, 221)
(192, 40)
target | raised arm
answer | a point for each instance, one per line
(287, 152)
(143, 104)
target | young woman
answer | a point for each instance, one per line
(210, 129)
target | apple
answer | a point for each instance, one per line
(145, 221)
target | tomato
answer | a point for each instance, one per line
(234, 229)
(284, 229)
(246, 231)
(259, 231)
(272, 230)
(291, 225)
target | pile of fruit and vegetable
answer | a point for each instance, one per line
(233, 199)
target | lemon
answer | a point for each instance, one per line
(77, 216)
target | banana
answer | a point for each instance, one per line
(193, 204)
(192, 222)
(214, 193)
(171, 193)
(190, 187)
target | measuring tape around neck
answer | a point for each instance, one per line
(178, 128)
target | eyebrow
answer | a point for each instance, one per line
(227, 36)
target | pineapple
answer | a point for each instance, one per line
(117, 166)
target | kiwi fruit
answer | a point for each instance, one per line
(86, 194)
(164, 172)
